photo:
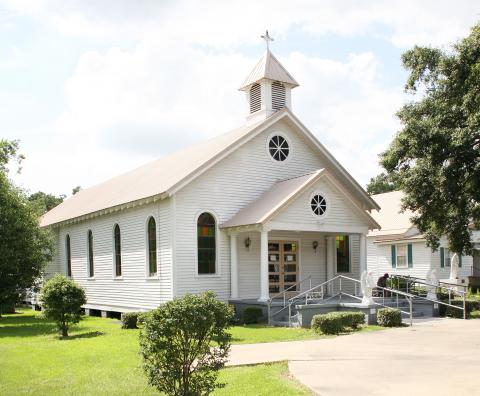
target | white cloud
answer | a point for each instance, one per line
(223, 24)
(175, 80)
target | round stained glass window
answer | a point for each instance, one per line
(278, 148)
(318, 204)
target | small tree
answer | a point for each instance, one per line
(62, 300)
(184, 343)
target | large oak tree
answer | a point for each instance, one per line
(436, 155)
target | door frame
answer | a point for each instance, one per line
(299, 254)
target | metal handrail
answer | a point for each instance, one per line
(408, 296)
(423, 281)
(270, 300)
(291, 287)
(462, 293)
(321, 285)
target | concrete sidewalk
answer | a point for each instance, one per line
(440, 357)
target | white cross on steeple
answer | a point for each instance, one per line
(267, 38)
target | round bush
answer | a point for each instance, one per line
(252, 315)
(62, 299)
(389, 317)
(184, 343)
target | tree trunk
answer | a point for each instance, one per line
(64, 331)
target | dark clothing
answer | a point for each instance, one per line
(382, 281)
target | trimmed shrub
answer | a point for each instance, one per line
(470, 305)
(475, 315)
(184, 343)
(389, 317)
(62, 301)
(353, 319)
(330, 323)
(131, 320)
(337, 322)
(252, 315)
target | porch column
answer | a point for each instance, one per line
(330, 245)
(264, 294)
(363, 253)
(233, 267)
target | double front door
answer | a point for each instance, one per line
(282, 266)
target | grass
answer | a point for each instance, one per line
(99, 358)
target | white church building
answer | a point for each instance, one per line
(246, 214)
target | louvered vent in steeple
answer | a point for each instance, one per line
(278, 95)
(255, 98)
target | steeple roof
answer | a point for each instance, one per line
(269, 67)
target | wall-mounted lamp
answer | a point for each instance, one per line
(247, 242)
(315, 245)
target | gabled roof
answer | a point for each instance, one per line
(269, 67)
(393, 222)
(163, 177)
(271, 201)
(146, 181)
(276, 198)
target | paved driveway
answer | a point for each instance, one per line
(435, 357)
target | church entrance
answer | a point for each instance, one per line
(282, 266)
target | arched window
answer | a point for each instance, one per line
(206, 244)
(90, 254)
(69, 255)
(152, 247)
(255, 98)
(118, 250)
(278, 95)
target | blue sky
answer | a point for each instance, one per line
(93, 89)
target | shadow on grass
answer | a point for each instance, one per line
(25, 326)
(91, 334)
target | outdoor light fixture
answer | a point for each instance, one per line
(315, 246)
(247, 242)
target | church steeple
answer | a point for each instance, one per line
(268, 86)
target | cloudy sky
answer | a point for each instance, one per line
(95, 88)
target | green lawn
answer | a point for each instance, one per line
(99, 358)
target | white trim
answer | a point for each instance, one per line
(317, 227)
(290, 147)
(404, 266)
(325, 214)
(173, 214)
(217, 273)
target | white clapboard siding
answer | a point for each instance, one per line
(339, 211)
(311, 263)
(379, 261)
(135, 290)
(224, 189)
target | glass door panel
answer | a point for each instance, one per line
(283, 266)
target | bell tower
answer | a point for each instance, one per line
(268, 86)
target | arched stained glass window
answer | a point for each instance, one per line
(118, 250)
(91, 270)
(206, 244)
(69, 255)
(152, 247)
